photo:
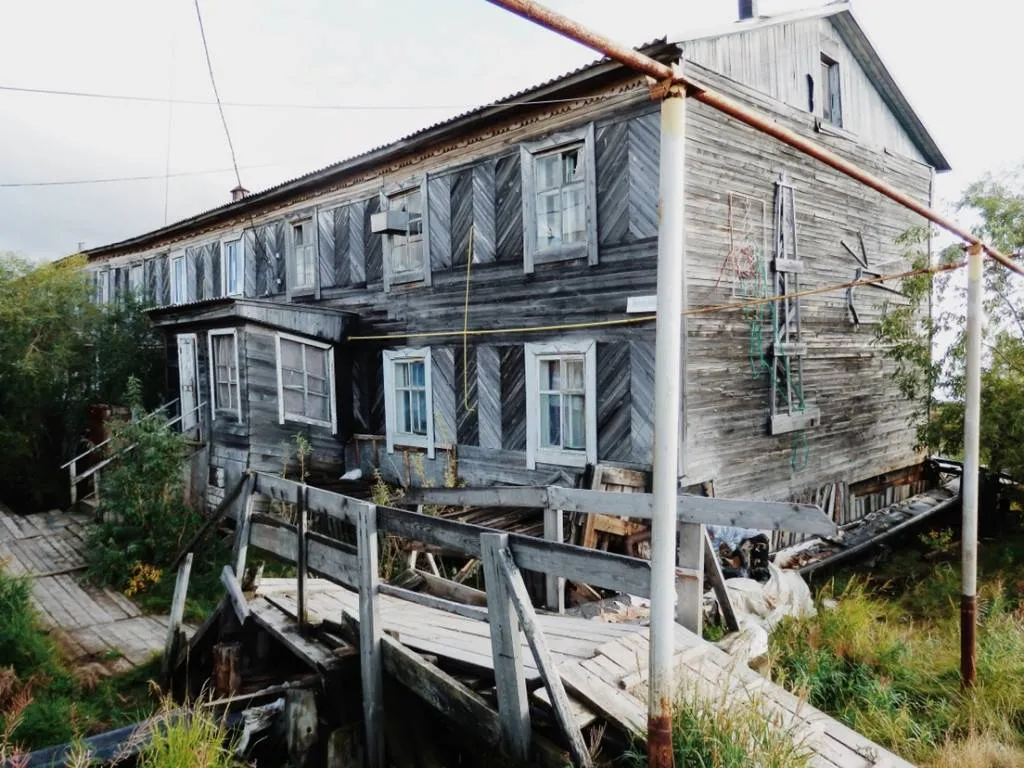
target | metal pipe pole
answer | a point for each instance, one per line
(668, 403)
(969, 478)
(563, 25)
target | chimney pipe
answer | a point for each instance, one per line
(748, 9)
(238, 193)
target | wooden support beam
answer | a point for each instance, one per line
(243, 526)
(516, 588)
(737, 513)
(300, 557)
(177, 615)
(554, 585)
(370, 633)
(234, 590)
(226, 669)
(713, 571)
(507, 651)
(690, 592)
(432, 601)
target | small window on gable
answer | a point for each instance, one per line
(303, 256)
(561, 404)
(305, 382)
(408, 405)
(232, 265)
(136, 284)
(559, 199)
(224, 373)
(831, 97)
(178, 281)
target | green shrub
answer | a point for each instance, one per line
(190, 739)
(56, 705)
(728, 735)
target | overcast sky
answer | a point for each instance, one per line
(400, 65)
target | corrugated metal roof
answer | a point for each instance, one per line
(534, 95)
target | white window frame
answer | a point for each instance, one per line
(179, 289)
(534, 451)
(215, 407)
(103, 286)
(283, 417)
(307, 223)
(137, 286)
(394, 437)
(421, 275)
(831, 86)
(224, 265)
(528, 154)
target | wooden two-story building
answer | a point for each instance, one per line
(457, 301)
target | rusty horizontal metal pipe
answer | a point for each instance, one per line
(563, 25)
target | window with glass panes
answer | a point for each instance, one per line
(305, 382)
(562, 391)
(410, 386)
(407, 249)
(233, 268)
(178, 286)
(560, 179)
(135, 279)
(303, 255)
(225, 371)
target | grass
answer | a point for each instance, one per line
(885, 658)
(195, 739)
(42, 700)
(204, 587)
(727, 735)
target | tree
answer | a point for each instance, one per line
(59, 352)
(933, 377)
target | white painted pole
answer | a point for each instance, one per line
(668, 389)
(969, 479)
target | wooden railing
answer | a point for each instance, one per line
(75, 478)
(509, 609)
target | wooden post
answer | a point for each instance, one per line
(235, 595)
(713, 570)
(226, 675)
(300, 555)
(513, 582)
(371, 662)
(74, 485)
(506, 647)
(554, 585)
(690, 590)
(177, 614)
(243, 526)
(301, 725)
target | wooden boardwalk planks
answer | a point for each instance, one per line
(91, 624)
(603, 667)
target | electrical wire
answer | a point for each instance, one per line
(314, 107)
(115, 179)
(216, 94)
(625, 321)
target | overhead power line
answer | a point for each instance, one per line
(115, 179)
(216, 94)
(284, 105)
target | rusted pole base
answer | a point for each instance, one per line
(659, 738)
(968, 625)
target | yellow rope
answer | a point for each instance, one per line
(465, 332)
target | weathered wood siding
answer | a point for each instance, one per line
(474, 202)
(776, 61)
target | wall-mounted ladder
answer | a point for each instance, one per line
(789, 410)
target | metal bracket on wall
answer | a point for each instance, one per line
(859, 274)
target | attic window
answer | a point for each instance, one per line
(831, 101)
(303, 256)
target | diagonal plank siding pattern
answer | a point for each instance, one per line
(612, 153)
(467, 409)
(357, 242)
(508, 205)
(641, 391)
(488, 396)
(439, 215)
(325, 245)
(443, 384)
(483, 213)
(644, 157)
(513, 398)
(373, 245)
(613, 404)
(462, 213)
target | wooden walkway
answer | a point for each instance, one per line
(92, 625)
(602, 664)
